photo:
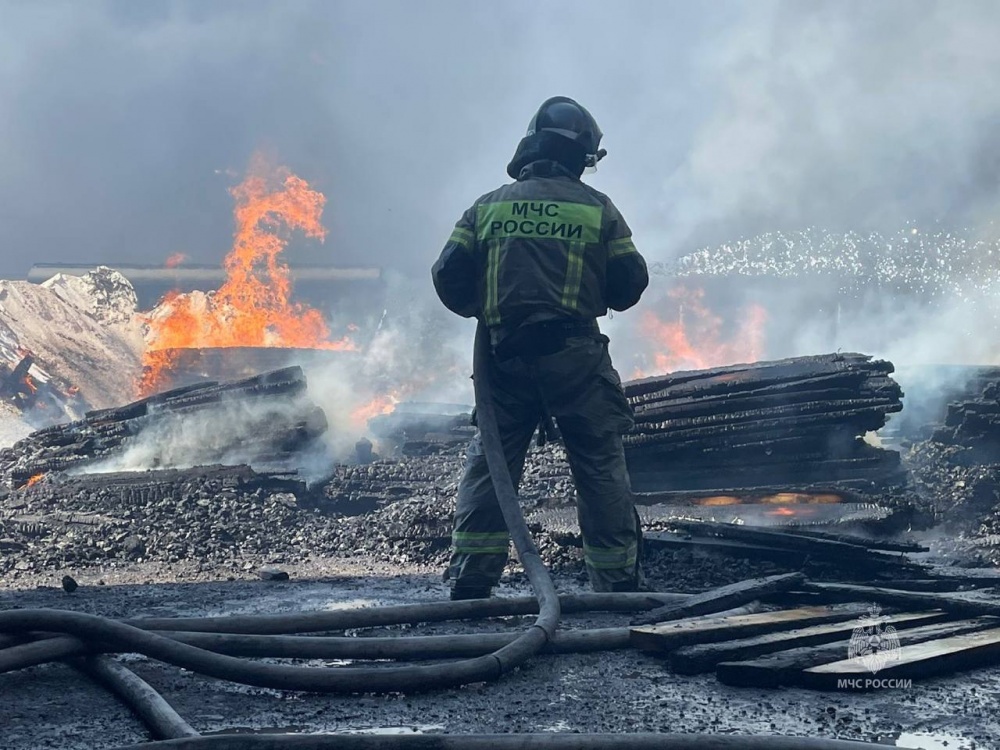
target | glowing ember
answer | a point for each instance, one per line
(695, 341)
(175, 260)
(788, 498)
(782, 512)
(253, 308)
(780, 498)
(34, 480)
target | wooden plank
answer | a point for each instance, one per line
(673, 635)
(790, 540)
(954, 603)
(920, 660)
(786, 668)
(922, 584)
(667, 539)
(723, 597)
(703, 657)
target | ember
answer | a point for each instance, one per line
(254, 306)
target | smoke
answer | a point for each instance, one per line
(724, 121)
(237, 431)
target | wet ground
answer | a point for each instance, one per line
(628, 691)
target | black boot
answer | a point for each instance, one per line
(461, 593)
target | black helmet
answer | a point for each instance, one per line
(567, 118)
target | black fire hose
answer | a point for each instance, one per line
(348, 679)
(96, 631)
(539, 741)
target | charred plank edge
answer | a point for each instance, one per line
(677, 633)
(915, 661)
(786, 667)
(703, 657)
(722, 597)
(955, 604)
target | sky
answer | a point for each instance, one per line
(125, 123)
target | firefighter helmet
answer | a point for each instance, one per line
(567, 118)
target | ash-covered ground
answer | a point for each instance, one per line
(379, 534)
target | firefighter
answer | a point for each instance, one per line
(538, 261)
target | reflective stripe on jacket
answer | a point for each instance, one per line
(547, 246)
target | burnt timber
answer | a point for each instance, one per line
(800, 419)
(294, 424)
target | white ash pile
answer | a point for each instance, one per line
(70, 344)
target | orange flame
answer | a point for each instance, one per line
(696, 341)
(782, 512)
(30, 382)
(253, 307)
(384, 404)
(34, 480)
(175, 260)
(780, 498)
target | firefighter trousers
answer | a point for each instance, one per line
(579, 387)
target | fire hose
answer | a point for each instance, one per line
(213, 646)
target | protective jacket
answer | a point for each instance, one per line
(545, 247)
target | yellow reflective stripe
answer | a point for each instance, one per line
(574, 274)
(476, 535)
(462, 237)
(480, 543)
(622, 246)
(604, 558)
(491, 310)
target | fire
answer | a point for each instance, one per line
(810, 498)
(175, 260)
(782, 512)
(720, 500)
(35, 479)
(253, 307)
(384, 404)
(696, 341)
(779, 498)
(30, 382)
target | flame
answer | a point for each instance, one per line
(35, 479)
(810, 498)
(384, 404)
(696, 341)
(253, 306)
(30, 382)
(175, 260)
(782, 512)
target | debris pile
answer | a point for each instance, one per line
(201, 424)
(792, 420)
(415, 429)
(71, 344)
(974, 425)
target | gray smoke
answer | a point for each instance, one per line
(125, 123)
